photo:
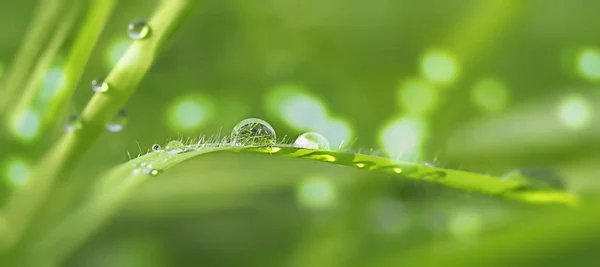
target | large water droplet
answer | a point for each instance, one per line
(312, 140)
(253, 132)
(174, 147)
(156, 148)
(138, 30)
(118, 122)
(71, 123)
(99, 85)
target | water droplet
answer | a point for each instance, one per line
(71, 124)
(174, 147)
(118, 122)
(99, 85)
(138, 30)
(253, 132)
(156, 148)
(312, 140)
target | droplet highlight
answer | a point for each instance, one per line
(118, 123)
(312, 140)
(71, 123)
(156, 148)
(99, 85)
(138, 30)
(253, 132)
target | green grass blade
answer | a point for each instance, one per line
(33, 85)
(98, 14)
(123, 79)
(45, 18)
(119, 184)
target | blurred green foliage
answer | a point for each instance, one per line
(482, 86)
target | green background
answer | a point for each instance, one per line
(354, 57)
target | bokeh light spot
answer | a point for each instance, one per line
(403, 138)
(439, 66)
(117, 51)
(296, 108)
(465, 225)
(16, 171)
(316, 193)
(189, 113)
(26, 125)
(490, 95)
(588, 64)
(574, 112)
(337, 131)
(417, 96)
(53, 82)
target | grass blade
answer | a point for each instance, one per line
(123, 80)
(119, 184)
(87, 37)
(45, 18)
(35, 79)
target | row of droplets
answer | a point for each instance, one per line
(257, 132)
(137, 30)
(249, 132)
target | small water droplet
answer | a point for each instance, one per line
(174, 147)
(138, 29)
(156, 148)
(312, 140)
(72, 123)
(118, 122)
(253, 132)
(99, 85)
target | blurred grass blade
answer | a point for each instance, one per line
(123, 80)
(46, 16)
(98, 14)
(32, 88)
(549, 232)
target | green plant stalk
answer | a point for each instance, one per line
(46, 17)
(35, 79)
(87, 37)
(123, 80)
(114, 188)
